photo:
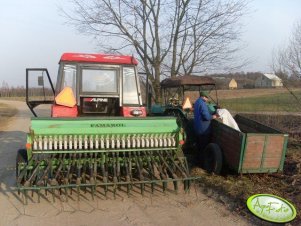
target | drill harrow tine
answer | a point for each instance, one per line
(171, 172)
(118, 167)
(92, 181)
(83, 175)
(23, 173)
(162, 175)
(33, 175)
(25, 197)
(150, 171)
(127, 175)
(115, 181)
(72, 170)
(130, 169)
(182, 171)
(54, 181)
(78, 179)
(105, 178)
(141, 178)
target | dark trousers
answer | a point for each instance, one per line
(203, 140)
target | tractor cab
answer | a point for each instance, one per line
(91, 85)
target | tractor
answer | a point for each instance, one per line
(98, 135)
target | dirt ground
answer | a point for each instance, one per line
(195, 208)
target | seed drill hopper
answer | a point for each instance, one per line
(98, 135)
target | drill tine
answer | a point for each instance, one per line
(25, 196)
(92, 174)
(39, 195)
(118, 168)
(114, 169)
(78, 179)
(91, 180)
(32, 176)
(127, 175)
(162, 175)
(72, 169)
(171, 172)
(115, 180)
(84, 168)
(130, 169)
(150, 171)
(139, 172)
(140, 160)
(178, 167)
(105, 178)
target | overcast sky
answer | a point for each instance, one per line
(33, 34)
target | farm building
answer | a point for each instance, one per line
(232, 84)
(268, 81)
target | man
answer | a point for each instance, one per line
(202, 120)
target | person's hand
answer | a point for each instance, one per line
(215, 116)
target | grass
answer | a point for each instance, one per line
(13, 98)
(284, 102)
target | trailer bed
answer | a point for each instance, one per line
(255, 149)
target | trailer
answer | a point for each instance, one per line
(255, 149)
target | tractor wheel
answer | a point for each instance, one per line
(21, 158)
(213, 158)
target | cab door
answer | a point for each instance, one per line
(39, 88)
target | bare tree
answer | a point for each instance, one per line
(170, 37)
(287, 60)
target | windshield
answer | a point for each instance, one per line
(99, 80)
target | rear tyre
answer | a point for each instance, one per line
(21, 158)
(213, 158)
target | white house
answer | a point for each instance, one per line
(232, 84)
(268, 81)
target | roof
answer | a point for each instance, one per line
(98, 58)
(187, 80)
(272, 76)
(233, 81)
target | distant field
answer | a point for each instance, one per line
(249, 100)
(260, 100)
(243, 93)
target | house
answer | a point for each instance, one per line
(232, 84)
(268, 81)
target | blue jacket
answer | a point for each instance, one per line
(202, 117)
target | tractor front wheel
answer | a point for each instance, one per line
(213, 158)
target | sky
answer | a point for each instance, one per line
(35, 34)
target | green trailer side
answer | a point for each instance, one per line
(255, 149)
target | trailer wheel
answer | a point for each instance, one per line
(213, 158)
(21, 158)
